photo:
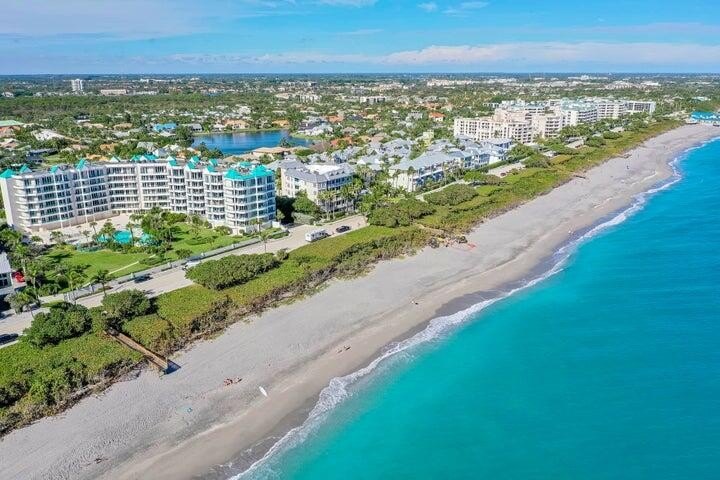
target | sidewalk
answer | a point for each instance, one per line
(174, 278)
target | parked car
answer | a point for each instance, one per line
(316, 235)
(8, 337)
(343, 229)
(191, 264)
(141, 278)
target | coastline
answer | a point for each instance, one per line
(145, 428)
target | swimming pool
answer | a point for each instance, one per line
(125, 237)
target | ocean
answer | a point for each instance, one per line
(606, 367)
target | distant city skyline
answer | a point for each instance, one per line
(354, 36)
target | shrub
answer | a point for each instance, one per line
(452, 195)
(595, 142)
(400, 214)
(611, 135)
(481, 178)
(537, 161)
(122, 306)
(232, 270)
(61, 322)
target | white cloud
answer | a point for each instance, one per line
(538, 55)
(428, 6)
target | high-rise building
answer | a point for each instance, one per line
(77, 85)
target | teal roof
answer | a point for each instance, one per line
(25, 169)
(7, 173)
(10, 123)
(213, 162)
(54, 168)
(247, 171)
(81, 164)
(172, 161)
(210, 168)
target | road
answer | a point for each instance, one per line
(173, 279)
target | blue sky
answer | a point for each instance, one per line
(251, 36)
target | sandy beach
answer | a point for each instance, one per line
(188, 424)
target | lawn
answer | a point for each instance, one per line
(125, 263)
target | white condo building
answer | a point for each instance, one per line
(238, 195)
(524, 121)
(77, 85)
(313, 179)
(435, 165)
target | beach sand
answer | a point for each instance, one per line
(188, 423)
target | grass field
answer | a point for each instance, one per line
(124, 263)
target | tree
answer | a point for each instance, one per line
(20, 300)
(57, 237)
(63, 321)
(102, 277)
(123, 306)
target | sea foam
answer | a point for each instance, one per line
(338, 391)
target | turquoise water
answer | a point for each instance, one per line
(243, 142)
(610, 369)
(124, 237)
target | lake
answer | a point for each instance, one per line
(237, 143)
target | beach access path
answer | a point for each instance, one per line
(187, 423)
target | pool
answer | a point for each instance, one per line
(125, 237)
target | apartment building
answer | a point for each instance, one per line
(640, 106)
(313, 179)
(435, 165)
(6, 283)
(524, 121)
(238, 195)
(485, 128)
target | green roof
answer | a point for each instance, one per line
(10, 123)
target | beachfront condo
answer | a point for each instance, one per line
(526, 121)
(240, 196)
(435, 165)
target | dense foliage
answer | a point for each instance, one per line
(63, 321)
(400, 214)
(122, 306)
(452, 195)
(232, 270)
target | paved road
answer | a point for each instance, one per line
(173, 279)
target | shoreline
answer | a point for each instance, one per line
(223, 424)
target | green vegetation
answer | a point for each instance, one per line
(399, 214)
(452, 195)
(63, 321)
(65, 352)
(232, 270)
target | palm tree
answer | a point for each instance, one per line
(75, 279)
(93, 224)
(86, 234)
(129, 226)
(102, 277)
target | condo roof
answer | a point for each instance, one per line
(247, 171)
(10, 123)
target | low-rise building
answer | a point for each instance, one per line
(314, 179)
(6, 282)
